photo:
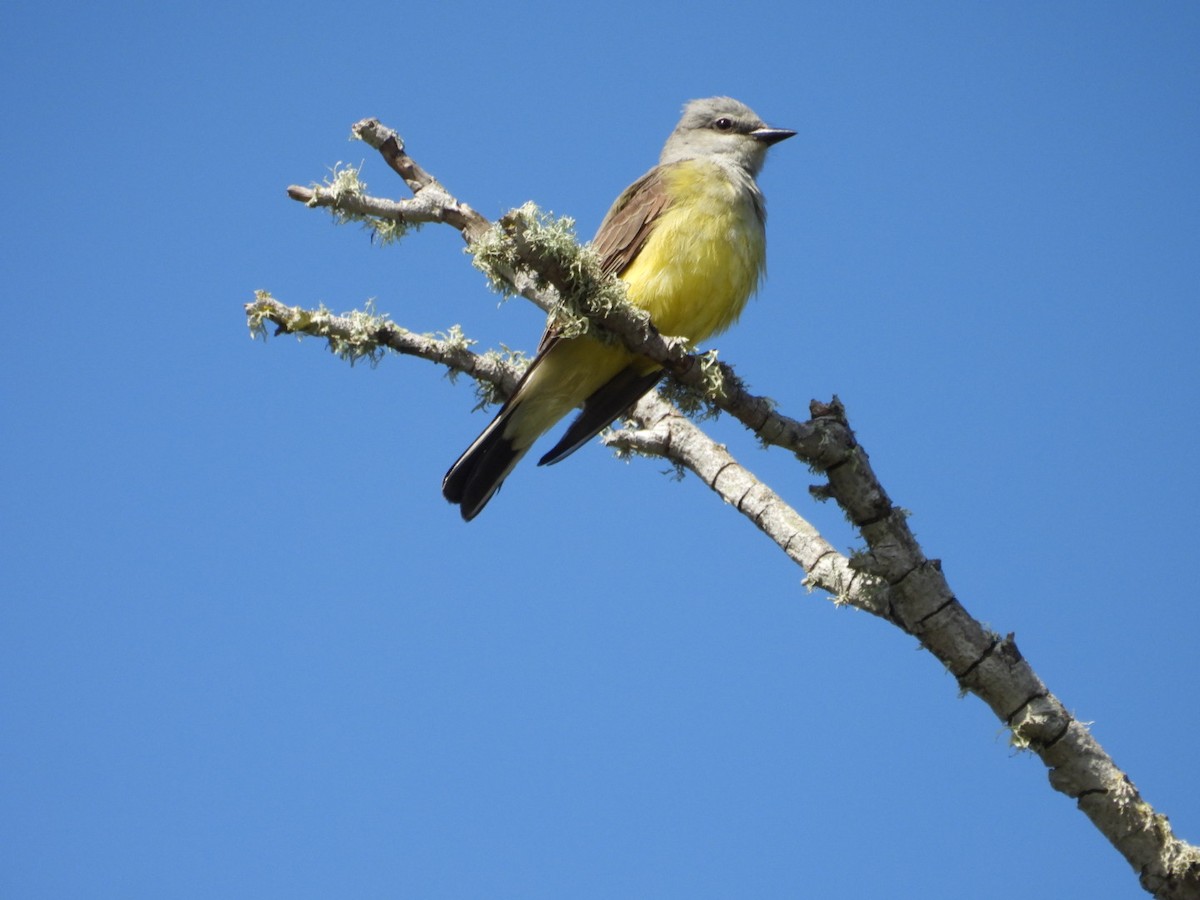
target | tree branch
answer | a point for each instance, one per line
(892, 578)
(662, 430)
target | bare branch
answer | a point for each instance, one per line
(423, 185)
(662, 430)
(355, 336)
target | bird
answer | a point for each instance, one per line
(688, 238)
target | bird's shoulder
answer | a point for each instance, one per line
(629, 222)
(625, 229)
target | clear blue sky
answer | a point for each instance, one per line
(248, 651)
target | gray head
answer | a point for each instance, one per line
(724, 130)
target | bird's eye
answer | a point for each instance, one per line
(723, 124)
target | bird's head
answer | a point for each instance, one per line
(722, 129)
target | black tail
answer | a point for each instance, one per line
(480, 471)
(474, 479)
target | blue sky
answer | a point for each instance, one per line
(248, 651)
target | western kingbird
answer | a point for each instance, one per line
(688, 240)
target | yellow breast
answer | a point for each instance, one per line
(704, 257)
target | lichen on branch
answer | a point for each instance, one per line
(545, 245)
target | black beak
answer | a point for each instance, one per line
(771, 136)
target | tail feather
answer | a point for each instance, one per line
(476, 476)
(562, 374)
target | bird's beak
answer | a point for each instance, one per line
(771, 136)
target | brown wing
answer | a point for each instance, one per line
(629, 222)
(624, 230)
